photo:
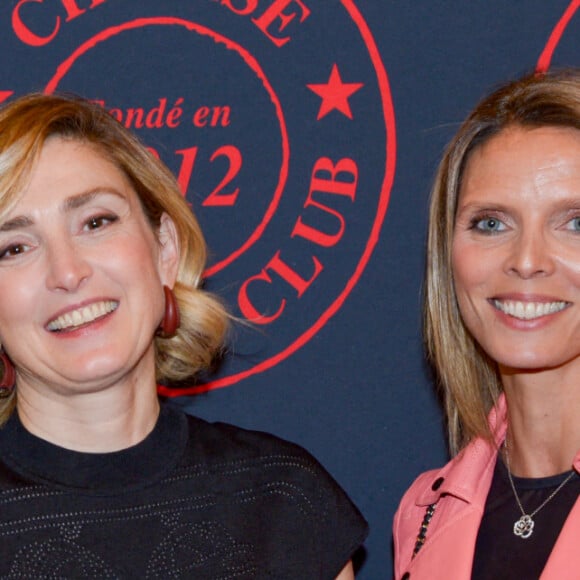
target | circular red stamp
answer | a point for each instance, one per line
(276, 118)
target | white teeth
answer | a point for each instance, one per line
(82, 315)
(529, 310)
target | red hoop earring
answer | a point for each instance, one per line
(171, 320)
(8, 376)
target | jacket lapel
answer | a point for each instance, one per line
(449, 551)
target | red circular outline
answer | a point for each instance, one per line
(389, 116)
(64, 68)
(545, 58)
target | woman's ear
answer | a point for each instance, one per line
(169, 251)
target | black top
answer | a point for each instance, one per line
(500, 554)
(193, 500)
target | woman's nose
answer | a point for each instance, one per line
(67, 267)
(530, 256)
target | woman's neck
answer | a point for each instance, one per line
(99, 422)
(543, 419)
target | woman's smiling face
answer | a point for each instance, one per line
(516, 247)
(81, 274)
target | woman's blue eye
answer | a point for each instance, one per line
(575, 224)
(488, 224)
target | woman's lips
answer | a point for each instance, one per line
(81, 316)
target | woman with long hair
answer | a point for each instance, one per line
(502, 309)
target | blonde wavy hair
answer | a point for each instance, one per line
(469, 380)
(26, 124)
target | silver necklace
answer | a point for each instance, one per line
(524, 526)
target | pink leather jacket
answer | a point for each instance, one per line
(459, 491)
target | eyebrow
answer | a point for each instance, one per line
(69, 204)
(16, 223)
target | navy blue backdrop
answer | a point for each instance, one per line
(305, 134)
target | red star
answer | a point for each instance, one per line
(5, 95)
(335, 94)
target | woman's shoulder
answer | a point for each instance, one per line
(245, 461)
(254, 476)
(227, 450)
(224, 441)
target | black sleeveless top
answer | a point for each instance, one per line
(193, 500)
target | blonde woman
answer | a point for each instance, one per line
(100, 268)
(503, 331)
